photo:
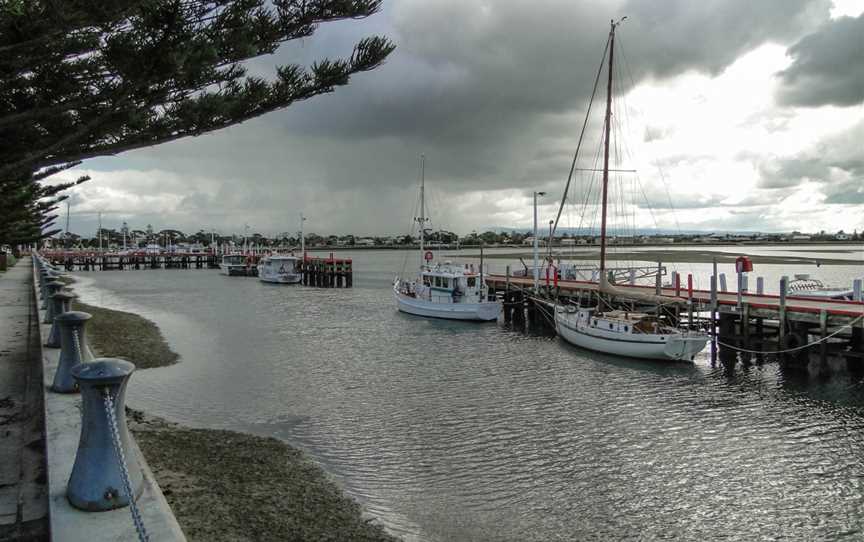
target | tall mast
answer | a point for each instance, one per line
(606, 151)
(422, 219)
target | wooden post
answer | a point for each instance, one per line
(856, 289)
(760, 285)
(784, 284)
(823, 332)
(632, 277)
(658, 279)
(507, 279)
(723, 282)
(745, 331)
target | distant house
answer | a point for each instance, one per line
(567, 242)
(800, 238)
(365, 242)
(842, 237)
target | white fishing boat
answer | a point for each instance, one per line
(234, 265)
(804, 286)
(444, 290)
(618, 332)
(280, 269)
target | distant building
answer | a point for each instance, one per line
(800, 238)
(365, 242)
(842, 237)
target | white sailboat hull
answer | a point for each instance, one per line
(486, 312)
(669, 346)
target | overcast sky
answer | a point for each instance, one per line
(735, 114)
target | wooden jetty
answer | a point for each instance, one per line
(743, 326)
(107, 261)
(329, 272)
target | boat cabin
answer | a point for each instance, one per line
(234, 259)
(448, 283)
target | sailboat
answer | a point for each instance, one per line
(444, 290)
(620, 332)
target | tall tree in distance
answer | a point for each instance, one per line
(86, 78)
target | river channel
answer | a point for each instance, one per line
(459, 431)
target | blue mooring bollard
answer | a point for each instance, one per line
(62, 302)
(51, 288)
(72, 352)
(96, 482)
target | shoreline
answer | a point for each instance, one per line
(227, 485)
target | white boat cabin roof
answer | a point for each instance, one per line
(448, 269)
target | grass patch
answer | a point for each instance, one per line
(119, 334)
(225, 486)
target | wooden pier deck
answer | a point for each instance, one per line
(803, 308)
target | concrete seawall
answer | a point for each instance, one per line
(62, 430)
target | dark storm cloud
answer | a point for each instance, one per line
(827, 66)
(491, 91)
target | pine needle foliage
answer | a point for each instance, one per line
(87, 78)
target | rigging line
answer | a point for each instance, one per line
(659, 169)
(581, 134)
(823, 339)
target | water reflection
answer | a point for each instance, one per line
(455, 431)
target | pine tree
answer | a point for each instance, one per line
(86, 78)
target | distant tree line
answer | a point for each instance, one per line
(85, 78)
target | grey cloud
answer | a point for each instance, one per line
(827, 66)
(787, 172)
(492, 92)
(836, 163)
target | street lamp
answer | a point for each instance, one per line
(536, 246)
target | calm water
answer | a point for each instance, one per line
(455, 431)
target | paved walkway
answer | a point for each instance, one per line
(23, 494)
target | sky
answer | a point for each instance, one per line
(733, 115)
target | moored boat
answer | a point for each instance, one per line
(237, 265)
(604, 329)
(280, 269)
(804, 286)
(449, 291)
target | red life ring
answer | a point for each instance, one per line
(428, 256)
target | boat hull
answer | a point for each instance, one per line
(674, 347)
(482, 312)
(290, 278)
(237, 270)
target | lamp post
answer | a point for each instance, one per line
(302, 238)
(536, 246)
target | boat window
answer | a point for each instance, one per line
(626, 328)
(445, 282)
(472, 282)
(438, 281)
(610, 325)
(427, 281)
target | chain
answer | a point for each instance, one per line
(124, 471)
(77, 343)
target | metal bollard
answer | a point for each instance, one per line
(52, 288)
(760, 285)
(97, 482)
(62, 302)
(73, 349)
(723, 282)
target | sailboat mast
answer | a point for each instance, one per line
(422, 204)
(606, 151)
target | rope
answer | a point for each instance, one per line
(823, 339)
